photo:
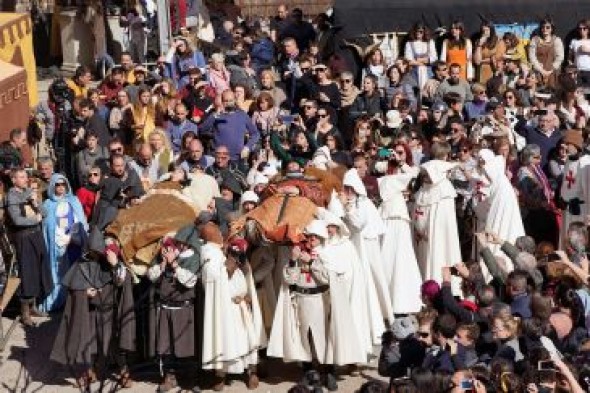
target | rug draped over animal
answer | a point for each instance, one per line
(280, 218)
(140, 228)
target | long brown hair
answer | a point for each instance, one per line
(462, 41)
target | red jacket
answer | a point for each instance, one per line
(88, 199)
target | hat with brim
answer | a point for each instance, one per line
(575, 138)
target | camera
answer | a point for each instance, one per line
(60, 93)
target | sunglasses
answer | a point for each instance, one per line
(321, 69)
(509, 97)
(94, 174)
(423, 334)
(60, 184)
(455, 129)
(305, 69)
(583, 28)
(465, 150)
(400, 152)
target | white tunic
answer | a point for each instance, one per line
(366, 229)
(220, 347)
(399, 259)
(436, 222)
(503, 218)
(248, 330)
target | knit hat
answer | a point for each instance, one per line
(238, 245)
(574, 137)
(430, 289)
(393, 119)
(210, 233)
(404, 327)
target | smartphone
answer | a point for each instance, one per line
(545, 365)
(454, 271)
(287, 119)
(467, 385)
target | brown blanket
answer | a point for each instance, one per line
(141, 227)
(281, 218)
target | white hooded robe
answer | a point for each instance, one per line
(399, 258)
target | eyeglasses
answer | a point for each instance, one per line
(582, 27)
(94, 174)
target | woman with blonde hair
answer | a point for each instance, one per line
(267, 84)
(505, 329)
(161, 148)
(144, 116)
(165, 97)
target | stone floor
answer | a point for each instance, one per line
(25, 367)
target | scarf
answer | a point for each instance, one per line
(348, 96)
(543, 181)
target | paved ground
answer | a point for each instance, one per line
(25, 367)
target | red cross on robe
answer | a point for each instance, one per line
(478, 193)
(571, 179)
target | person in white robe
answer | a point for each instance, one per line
(349, 274)
(435, 220)
(573, 185)
(311, 322)
(399, 258)
(223, 345)
(367, 228)
(249, 334)
(503, 218)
